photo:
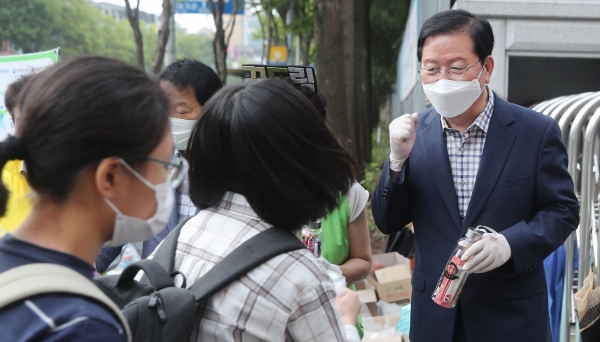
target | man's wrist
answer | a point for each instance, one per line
(396, 164)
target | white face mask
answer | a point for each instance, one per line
(452, 98)
(181, 130)
(132, 229)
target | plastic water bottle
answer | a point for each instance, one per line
(454, 276)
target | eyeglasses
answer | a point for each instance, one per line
(176, 169)
(431, 72)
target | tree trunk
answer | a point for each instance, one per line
(134, 21)
(343, 66)
(270, 37)
(264, 39)
(358, 48)
(163, 37)
(306, 54)
(219, 47)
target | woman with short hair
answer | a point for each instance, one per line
(262, 156)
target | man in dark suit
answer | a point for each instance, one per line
(475, 159)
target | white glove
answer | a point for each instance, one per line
(491, 252)
(403, 132)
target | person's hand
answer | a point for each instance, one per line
(348, 304)
(487, 254)
(403, 132)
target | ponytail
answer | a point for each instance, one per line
(10, 149)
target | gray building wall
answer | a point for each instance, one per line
(416, 101)
(553, 47)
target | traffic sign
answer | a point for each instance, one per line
(203, 6)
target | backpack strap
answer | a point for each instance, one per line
(165, 254)
(246, 257)
(35, 279)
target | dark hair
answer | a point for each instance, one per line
(266, 141)
(184, 73)
(12, 93)
(453, 21)
(80, 111)
(318, 99)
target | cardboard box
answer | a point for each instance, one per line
(391, 259)
(367, 295)
(392, 283)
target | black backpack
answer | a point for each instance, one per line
(157, 310)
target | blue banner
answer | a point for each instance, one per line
(203, 6)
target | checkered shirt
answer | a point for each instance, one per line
(464, 152)
(185, 207)
(288, 298)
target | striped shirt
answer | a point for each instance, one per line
(288, 298)
(464, 153)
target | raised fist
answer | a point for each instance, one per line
(403, 132)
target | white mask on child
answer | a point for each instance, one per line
(132, 229)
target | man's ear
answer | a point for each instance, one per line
(108, 174)
(489, 67)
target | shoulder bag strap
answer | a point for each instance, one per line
(35, 279)
(246, 257)
(165, 254)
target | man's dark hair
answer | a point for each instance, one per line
(266, 141)
(12, 93)
(185, 73)
(454, 21)
(80, 111)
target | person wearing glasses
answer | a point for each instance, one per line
(475, 159)
(189, 84)
(94, 135)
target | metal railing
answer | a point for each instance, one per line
(578, 117)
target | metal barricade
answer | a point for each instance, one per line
(579, 120)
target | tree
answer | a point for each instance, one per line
(388, 19)
(163, 37)
(163, 34)
(343, 70)
(27, 31)
(222, 35)
(134, 19)
(194, 46)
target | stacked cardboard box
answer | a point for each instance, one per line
(392, 282)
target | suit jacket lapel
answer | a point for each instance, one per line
(435, 153)
(497, 147)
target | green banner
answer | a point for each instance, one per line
(11, 68)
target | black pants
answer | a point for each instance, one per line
(460, 334)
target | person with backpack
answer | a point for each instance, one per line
(261, 156)
(95, 138)
(189, 84)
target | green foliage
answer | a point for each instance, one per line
(26, 30)
(373, 171)
(195, 46)
(388, 19)
(79, 28)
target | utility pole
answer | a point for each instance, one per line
(170, 53)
